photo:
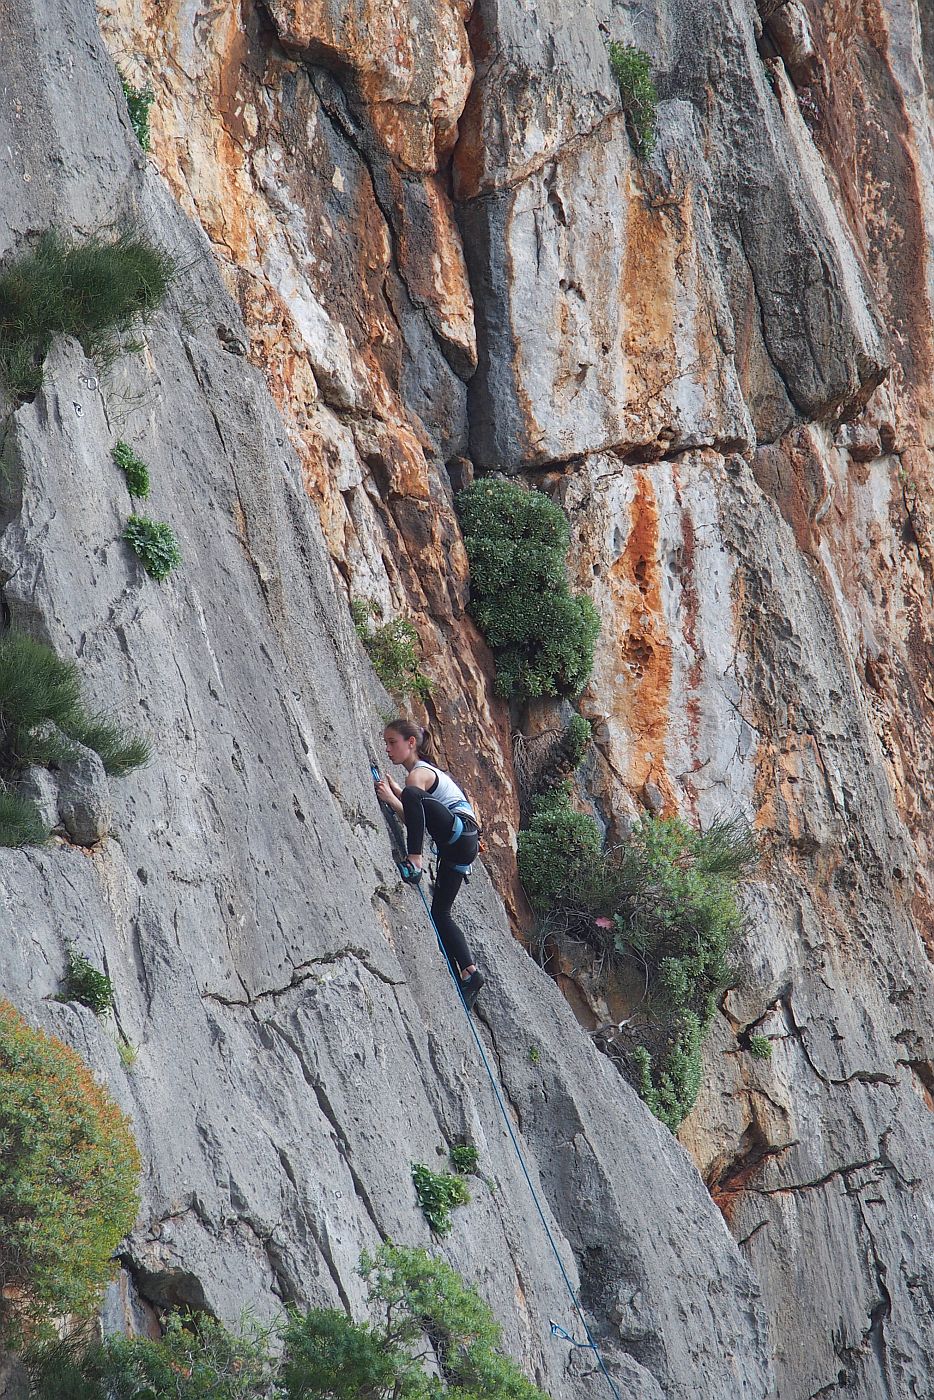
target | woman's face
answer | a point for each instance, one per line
(397, 748)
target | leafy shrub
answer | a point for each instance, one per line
(96, 291)
(465, 1158)
(393, 650)
(136, 470)
(632, 70)
(414, 1297)
(423, 1310)
(85, 984)
(20, 822)
(41, 709)
(195, 1359)
(558, 849)
(541, 635)
(576, 740)
(68, 1180)
(760, 1046)
(437, 1195)
(664, 901)
(138, 101)
(155, 544)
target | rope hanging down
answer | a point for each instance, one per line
(556, 1331)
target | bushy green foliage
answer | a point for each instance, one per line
(465, 1158)
(422, 1312)
(138, 101)
(20, 822)
(97, 291)
(135, 469)
(760, 1046)
(86, 984)
(68, 1181)
(41, 709)
(559, 848)
(438, 1194)
(393, 647)
(671, 1090)
(632, 70)
(155, 544)
(576, 740)
(195, 1359)
(541, 635)
(665, 902)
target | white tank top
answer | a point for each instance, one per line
(446, 790)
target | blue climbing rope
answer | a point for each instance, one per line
(556, 1331)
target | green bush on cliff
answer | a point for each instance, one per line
(98, 291)
(541, 635)
(68, 1181)
(154, 544)
(632, 70)
(664, 903)
(393, 647)
(438, 1193)
(138, 101)
(430, 1336)
(134, 469)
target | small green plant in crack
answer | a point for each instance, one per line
(760, 1046)
(98, 291)
(632, 70)
(393, 647)
(139, 100)
(155, 544)
(438, 1193)
(134, 468)
(535, 1055)
(87, 985)
(465, 1158)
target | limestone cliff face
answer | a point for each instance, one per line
(417, 243)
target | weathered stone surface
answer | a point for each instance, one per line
(84, 802)
(39, 786)
(298, 1044)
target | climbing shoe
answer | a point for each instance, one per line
(470, 989)
(409, 872)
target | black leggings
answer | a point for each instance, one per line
(421, 811)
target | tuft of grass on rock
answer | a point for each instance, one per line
(20, 822)
(99, 291)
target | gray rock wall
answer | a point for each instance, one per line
(299, 1045)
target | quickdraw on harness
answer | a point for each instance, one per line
(411, 875)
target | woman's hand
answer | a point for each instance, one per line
(383, 791)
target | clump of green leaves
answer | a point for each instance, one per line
(86, 984)
(155, 544)
(664, 903)
(465, 1158)
(632, 69)
(558, 848)
(68, 1181)
(535, 1055)
(42, 709)
(98, 291)
(541, 634)
(422, 1312)
(760, 1046)
(394, 648)
(138, 101)
(438, 1193)
(20, 822)
(135, 469)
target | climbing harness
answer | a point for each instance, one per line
(556, 1331)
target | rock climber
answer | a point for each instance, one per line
(432, 800)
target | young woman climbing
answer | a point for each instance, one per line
(432, 800)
